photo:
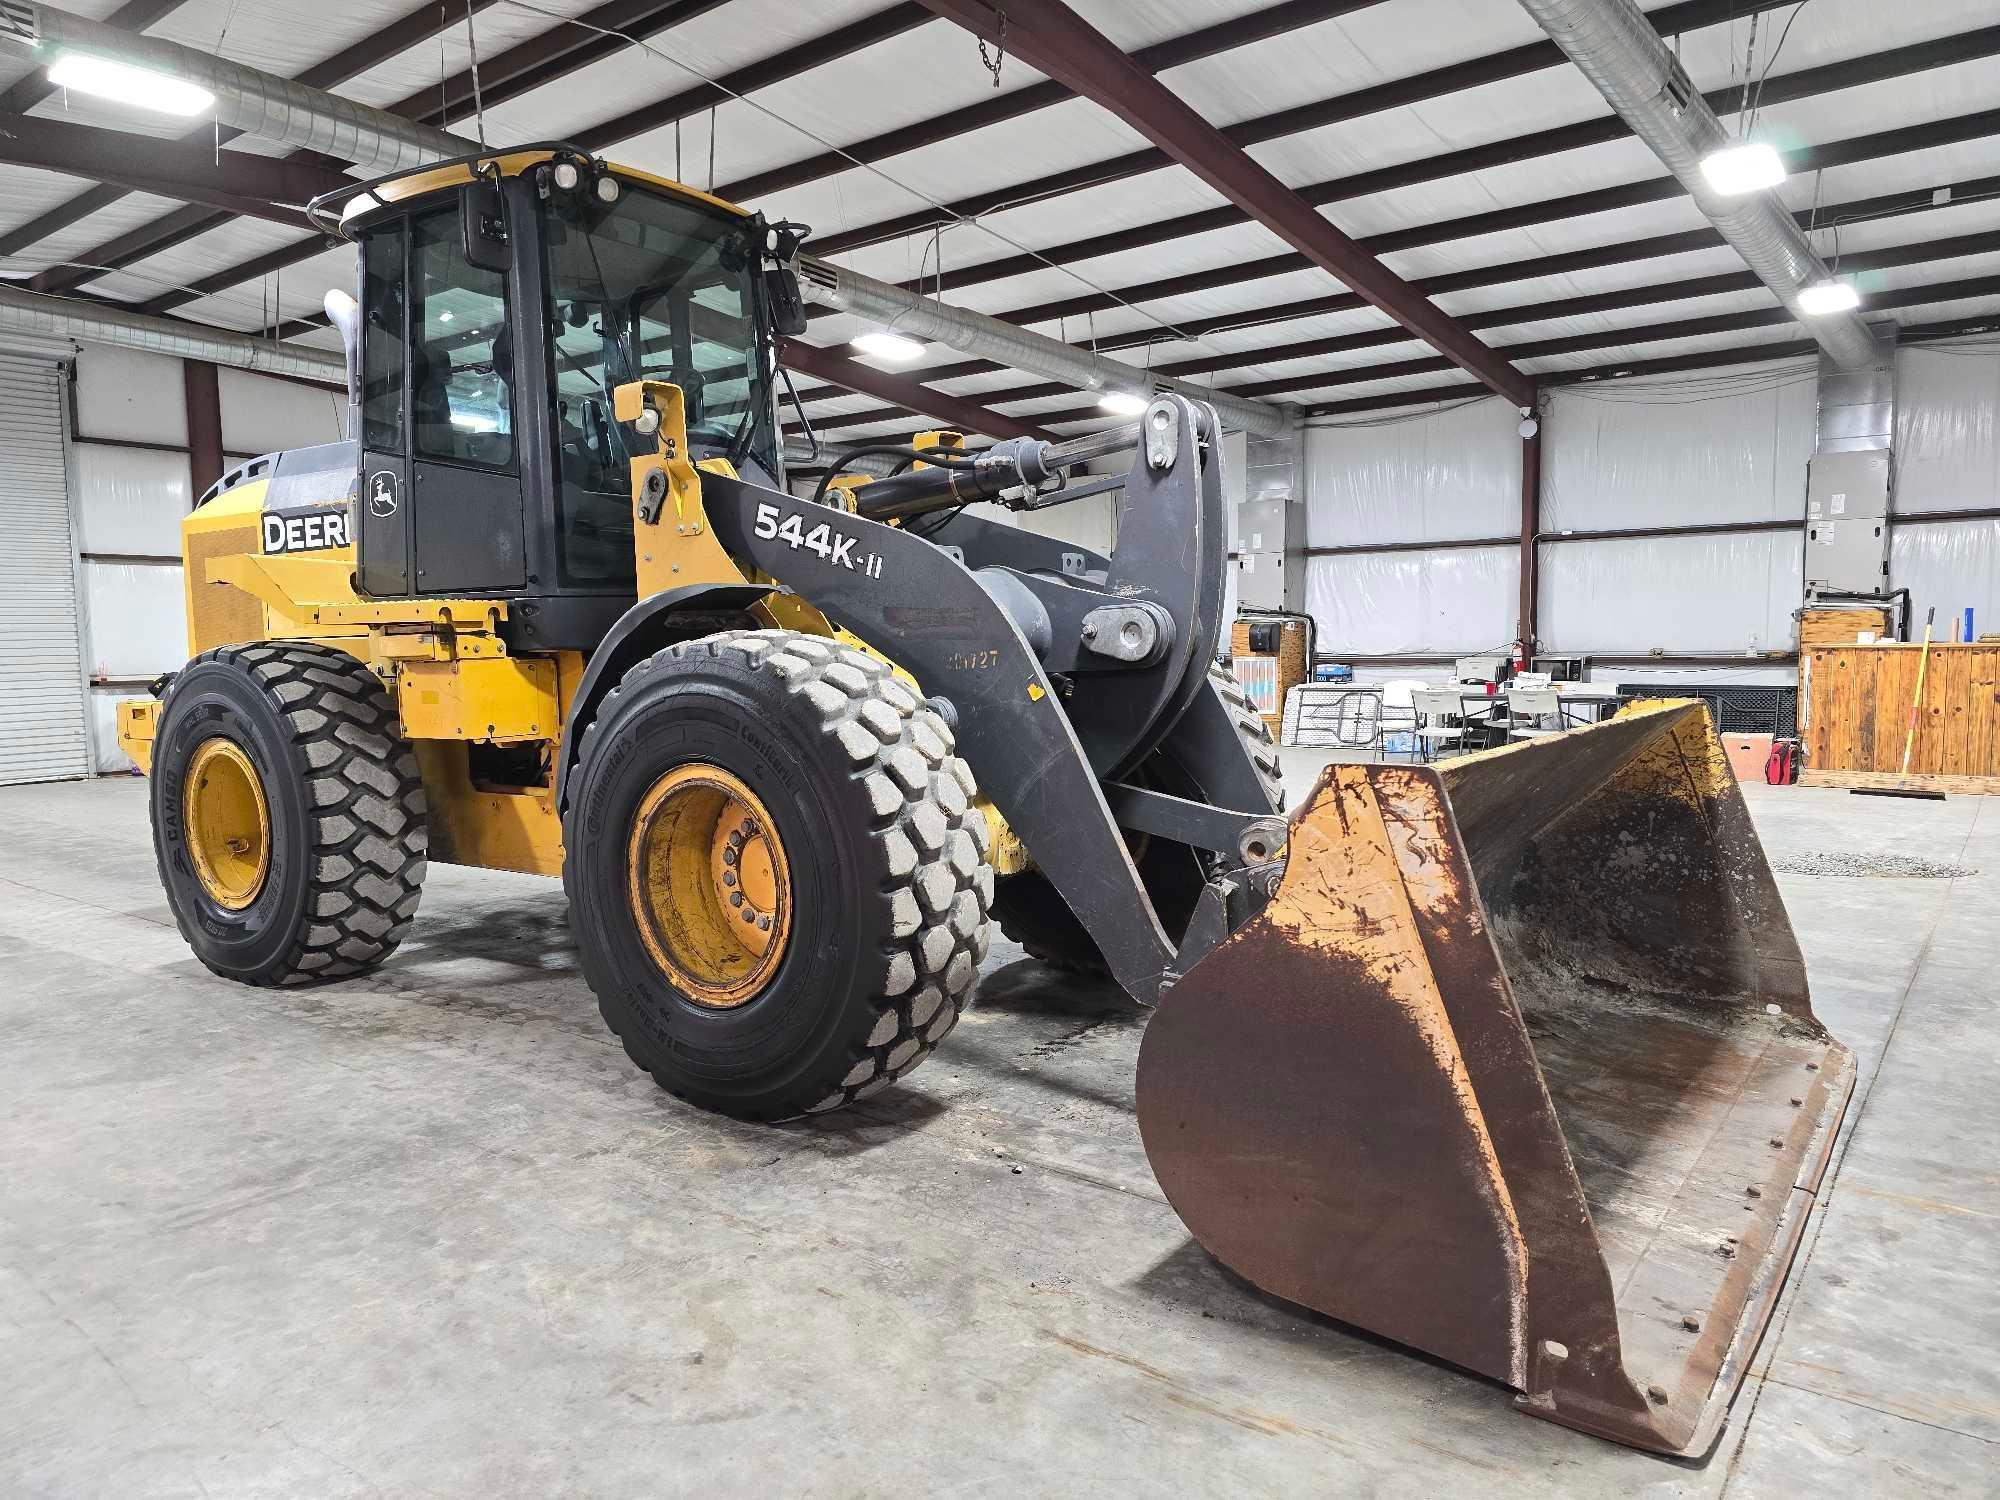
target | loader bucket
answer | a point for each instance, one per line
(1516, 1067)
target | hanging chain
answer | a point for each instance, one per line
(992, 64)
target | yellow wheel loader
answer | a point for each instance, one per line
(1509, 1058)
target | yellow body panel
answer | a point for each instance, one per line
(678, 547)
(503, 699)
(453, 679)
(138, 721)
(494, 828)
(509, 164)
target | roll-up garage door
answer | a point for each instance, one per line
(42, 707)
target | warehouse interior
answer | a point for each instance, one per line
(1508, 421)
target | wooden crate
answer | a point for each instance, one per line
(1292, 666)
(1952, 786)
(1858, 708)
(1838, 627)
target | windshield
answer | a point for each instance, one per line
(656, 288)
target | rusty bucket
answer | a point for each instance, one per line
(1517, 1067)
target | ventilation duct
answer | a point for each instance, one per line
(254, 102)
(40, 316)
(292, 114)
(1615, 47)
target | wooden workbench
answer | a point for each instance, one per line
(1857, 701)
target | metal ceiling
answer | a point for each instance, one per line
(1449, 138)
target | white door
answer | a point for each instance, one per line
(42, 707)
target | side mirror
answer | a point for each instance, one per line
(482, 224)
(788, 306)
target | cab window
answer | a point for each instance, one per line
(462, 354)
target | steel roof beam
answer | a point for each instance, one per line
(530, 64)
(1551, 265)
(1224, 36)
(1763, 317)
(1435, 83)
(955, 411)
(507, 75)
(254, 185)
(27, 92)
(1805, 83)
(1053, 38)
(1701, 359)
(184, 224)
(1633, 297)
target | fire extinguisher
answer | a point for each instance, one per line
(1520, 658)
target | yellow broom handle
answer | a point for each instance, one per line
(1923, 664)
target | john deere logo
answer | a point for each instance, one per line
(306, 530)
(382, 493)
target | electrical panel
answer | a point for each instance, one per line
(1270, 560)
(1847, 523)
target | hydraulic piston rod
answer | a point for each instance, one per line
(1016, 464)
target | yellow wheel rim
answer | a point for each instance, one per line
(710, 888)
(228, 823)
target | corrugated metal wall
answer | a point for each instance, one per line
(42, 736)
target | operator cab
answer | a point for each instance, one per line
(502, 299)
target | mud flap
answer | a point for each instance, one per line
(1517, 1067)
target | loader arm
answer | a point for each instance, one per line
(921, 607)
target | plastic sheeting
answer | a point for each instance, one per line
(1946, 567)
(138, 623)
(1679, 453)
(1448, 602)
(1733, 593)
(261, 415)
(1947, 427)
(130, 395)
(1446, 476)
(130, 500)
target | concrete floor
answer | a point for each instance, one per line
(429, 1233)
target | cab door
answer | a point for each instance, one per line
(465, 495)
(381, 511)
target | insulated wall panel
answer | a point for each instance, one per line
(1679, 453)
(1732, 593)
(1448, 602)
(1947, 428)
(138, 619)
(1446, 476)
(262, 415)
(130, 500)
(1947, 567)
(130, 395)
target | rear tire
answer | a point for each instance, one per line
(340, 800)
(884, 881)
(1032, 912)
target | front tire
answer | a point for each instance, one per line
(805, 767)
(288, 815)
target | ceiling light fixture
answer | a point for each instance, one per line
(141, 87)
(1829, 296)
(890, 346)
(1749, 167)
(1122, 403)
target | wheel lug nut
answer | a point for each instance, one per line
(735, 898)
(729, 855)
(763, 924)
(729, 877)
(748, 915)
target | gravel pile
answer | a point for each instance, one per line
(1847, 862)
